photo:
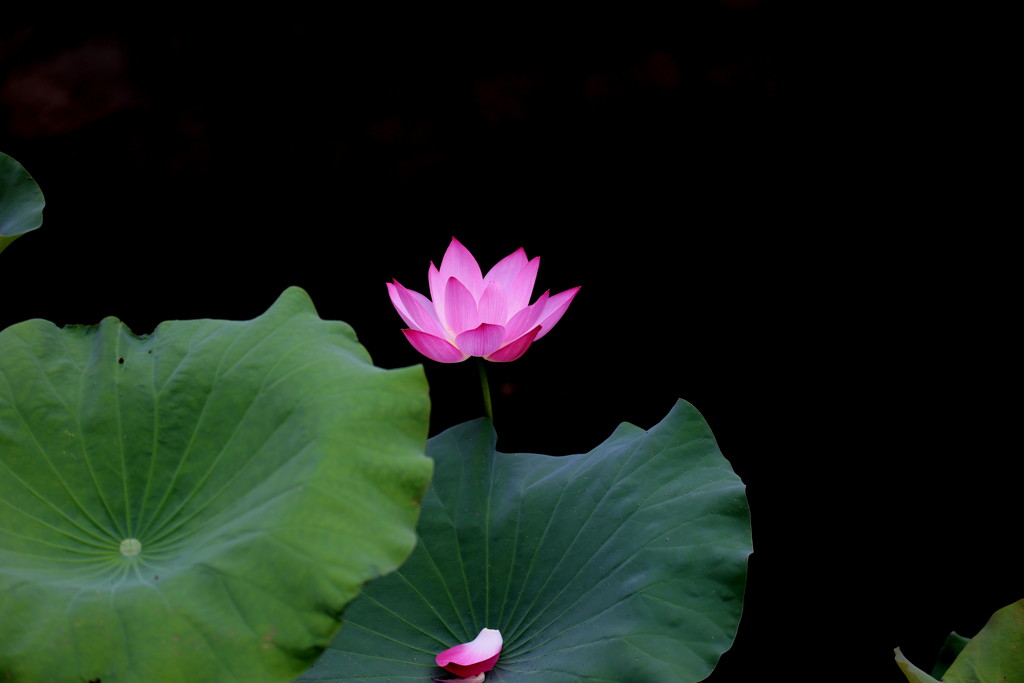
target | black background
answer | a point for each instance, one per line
(742, 239)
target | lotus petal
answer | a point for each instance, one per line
(460, 311)
(416, 310)
(493, 306)
(555, 308)
(475, 657)
(521, 288)
(434, 348)
(483, 340)
(460, 264)
(514, 350)
(506, 270)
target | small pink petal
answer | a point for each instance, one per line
(419, 311)
(555, 308)
(526, 319)
(472, 658)
(436, 285)
(492, 307)
(434, 348)
(482, 340)
(505, 270)
(460, 313)
(521, 289)
(459, 263)
(510, 352)
(396, 301)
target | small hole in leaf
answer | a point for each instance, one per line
(121, 361)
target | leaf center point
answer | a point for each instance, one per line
(130, 547)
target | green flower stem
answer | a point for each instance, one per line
(487, 389)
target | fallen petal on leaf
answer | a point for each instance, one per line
(474, 657)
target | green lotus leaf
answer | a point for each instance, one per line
(21, 201)
(625, 563)
(199, 504)
(996, 653)
(948, 653)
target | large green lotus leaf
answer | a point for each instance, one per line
(21, 201)
(199, 504)
(995, 654)
(627, 563)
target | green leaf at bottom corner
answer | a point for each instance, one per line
(625, 563)
(21, 201)
(199, 504)
(996, 653)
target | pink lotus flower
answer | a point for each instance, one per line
(470, 314)
(473, 658)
